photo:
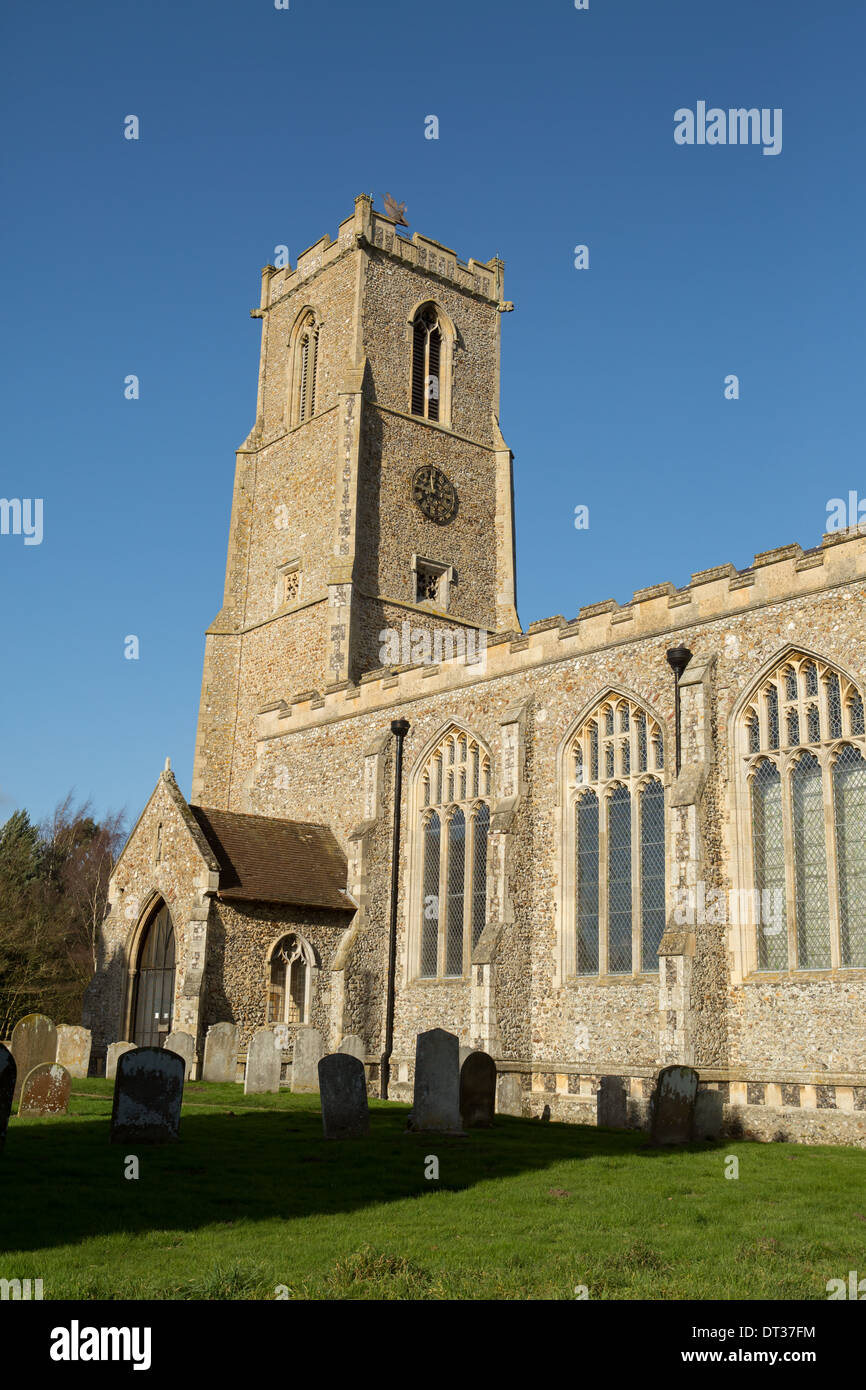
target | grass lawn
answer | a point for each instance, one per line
(253, 1197)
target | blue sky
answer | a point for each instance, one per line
(259, 127)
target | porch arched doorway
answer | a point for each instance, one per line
(153, 1005)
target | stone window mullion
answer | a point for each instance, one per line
(468, 886)
(826, 761)
(785, 767)
(636, 881)
(603, 893)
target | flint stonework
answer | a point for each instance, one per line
(673, 1105)
(34, 1040)
(73, 1048)
(46, 1090)
(148, 1094)
(184, 1045)
(221, 1053)
(436, 1098)
(305, 1060)
(264, 1057)
(478, 1091)
(343, 1088)
(7, 1089)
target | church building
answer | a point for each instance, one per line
(625, 838)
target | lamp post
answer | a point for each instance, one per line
(678, 660)
(399, 728)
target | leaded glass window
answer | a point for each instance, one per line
(454, 826)
(808, 818)
(619, 841)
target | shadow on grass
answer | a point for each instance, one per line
(64, 1182)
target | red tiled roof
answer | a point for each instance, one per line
(263, 859)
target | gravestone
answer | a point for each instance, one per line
(509, 1094)
(343, 1087)
(707, 1122)
(147, 1096)
(34, 1040)
(221, 1053)
(115, 1051)
(184, 1045)
(673, 1105)
(477, 1091)
(305, 1059)
(611, 1103)
(73, 1048)
(436, 1098)
(354, 1046)
(262, 1072)
(7, 1089)
(46, 1090)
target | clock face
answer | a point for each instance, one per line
(435, 494)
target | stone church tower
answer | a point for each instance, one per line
(631, 837)
(374, 489)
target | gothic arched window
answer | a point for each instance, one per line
(305, 353)
(290, 981)
(807, 804)
(454, 813)
(617, 808)
(431, 347)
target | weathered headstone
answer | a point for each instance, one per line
(611, 1103)
(509, 1094)
(184, 1045)
(221, 1053)
(73, 1048)
(115, 1051)
(707, 1122)
(262, 1072)
(34, 1040)
(46, 1090)
(436, 1098)
(7, 1089)
(673, 1105)
(343, 1087)
(148, 1094)
(282, 1033)
(477, 1091)
(355, 1046)
(305, 1059)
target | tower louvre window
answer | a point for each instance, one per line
(426, 364)
(305, 357)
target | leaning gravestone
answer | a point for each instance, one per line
(221, 1053)
(355, 1046)
(73, 1048)
(147, 1096)
(34, 1040)
(264, 1058)
(113, 1055)
(7, 1089)
(707, 1122)
(477, 1091)
(673, 1105)
(436, 1098)
(305, 1059)
(46, 1090)
(184, 1045)
(611, 1103)
(509, 1095)
(343, 1087)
